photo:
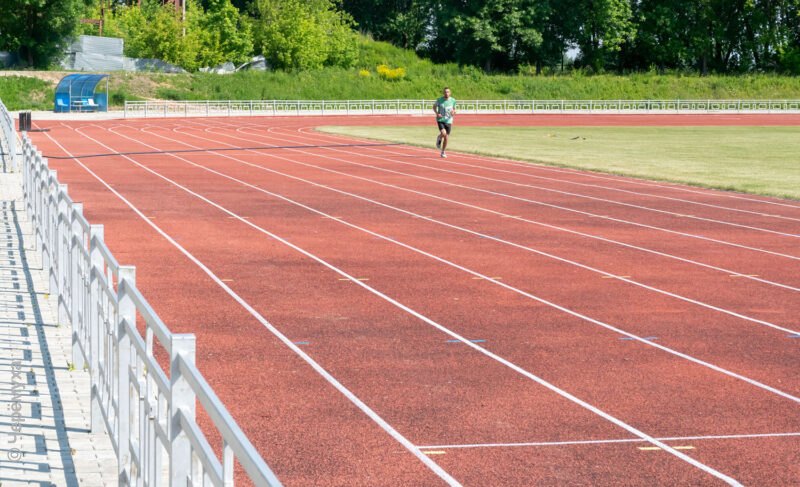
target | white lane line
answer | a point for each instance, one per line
(577, 183)
(579, 195)
(383, 424)
(486, 210)
(612, 441)
(632, 180)
(451, 264)
(604, 274)
(540, 203)
(469, 343)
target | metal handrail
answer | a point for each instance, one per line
(9, 136)
(148, 412)
(166, 108)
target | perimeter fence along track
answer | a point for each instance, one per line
(149, 413)
(9, 143)
(208, 108)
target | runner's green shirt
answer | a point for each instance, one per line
(445, 108)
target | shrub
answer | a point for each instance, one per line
(389, 74)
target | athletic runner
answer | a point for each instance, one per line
(444, 108)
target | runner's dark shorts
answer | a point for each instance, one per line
(447, 126)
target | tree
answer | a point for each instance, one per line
(225, 34)
(38, 29)
(304, 34)
(401, 22)
(599, 28)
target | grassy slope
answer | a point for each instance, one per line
(18, 92)
(760, 160)
(423, 80)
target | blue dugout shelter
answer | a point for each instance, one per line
(77, 92)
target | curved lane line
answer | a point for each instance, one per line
(442, 260)
(507, 363)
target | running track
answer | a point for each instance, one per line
(379, 316)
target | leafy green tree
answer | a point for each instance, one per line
(298, 34)
(38, 29)
(225, 34)
(496, 34)
(599, 28)
(156, 31)
(401, 22)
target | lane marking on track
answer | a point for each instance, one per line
(794, 335)
(313, 132)
(700, 237)
(614, 441)
(744, 275)
(505, 195)
(653, 448)
(435, 452)
(355, 400)
(650, 338)
(615, 277)
(526, 174)
(357, 279)
(585, 196)
(533, 222)
(552, 387)
(489, 278)
(481, 235)
(480, 340)
(302, 343)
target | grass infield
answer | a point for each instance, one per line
(758, 160)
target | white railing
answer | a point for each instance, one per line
(209, 108)
(149, 413)
(9, 136)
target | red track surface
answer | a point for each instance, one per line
(561, 277)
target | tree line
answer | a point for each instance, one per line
(723, 36)
(532, 36)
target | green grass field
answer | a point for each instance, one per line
(758, 160)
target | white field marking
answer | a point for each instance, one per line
(507, 363)
(472, 232)
(606, 442)
(553, 190)
(451, 264)
(383, 424)
(536, 202)
(650, 448)
(577, 183)
(726, 271)
(482, 235)
(571, 171)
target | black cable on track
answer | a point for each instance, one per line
(218, 149)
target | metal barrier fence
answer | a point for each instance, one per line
(149, 413)
(7, 124)
(208, 108)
